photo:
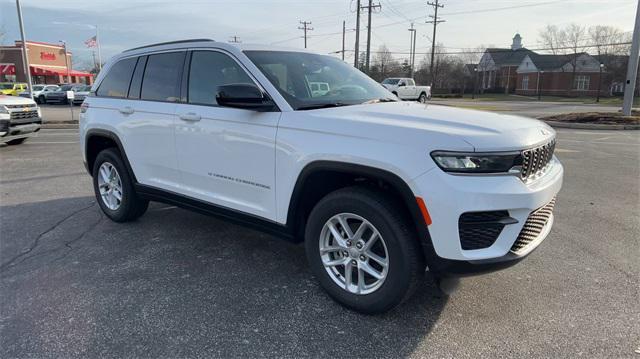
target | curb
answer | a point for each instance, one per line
(60, 125)
(591, 126)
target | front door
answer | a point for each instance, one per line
(226, 155)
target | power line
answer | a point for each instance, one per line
(305, 27)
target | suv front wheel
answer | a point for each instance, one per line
(362, 250)
(114, 188)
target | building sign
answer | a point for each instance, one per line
(47, 56)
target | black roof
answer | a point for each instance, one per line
(508, 56)
(552, 62)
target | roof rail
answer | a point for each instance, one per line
(168, 43)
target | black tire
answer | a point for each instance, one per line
(16, 141)
(406, 263)
(423, 98)
(131, 206)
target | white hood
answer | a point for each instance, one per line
(15, 100)
(484, 131)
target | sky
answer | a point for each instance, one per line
(124, 24)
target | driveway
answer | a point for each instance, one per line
(526, 108)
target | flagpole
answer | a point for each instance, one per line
(99, 55)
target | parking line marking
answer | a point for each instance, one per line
(48, 143)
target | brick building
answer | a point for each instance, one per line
(555, 75)
(49, 64)
(497, 67)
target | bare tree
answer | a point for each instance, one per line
(607, 42)
(574, 36)
(553, 38)
(383, 59)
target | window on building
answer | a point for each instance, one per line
(161, 80)
(209, 71)
(581, 82)
(525, 82)
(116, 83)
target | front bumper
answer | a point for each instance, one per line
(447, 197)
(9, 132)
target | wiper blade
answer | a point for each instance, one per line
(322, 105)
(378, 100)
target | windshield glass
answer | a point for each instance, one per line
(6, 86)
(309, 81)
(37, 88)
(66, 88)
(390, 81)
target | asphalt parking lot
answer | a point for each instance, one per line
(179, 284)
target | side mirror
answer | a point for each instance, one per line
(402, 84)
(246, 96)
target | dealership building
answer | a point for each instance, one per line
(48, 64)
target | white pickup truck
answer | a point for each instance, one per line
(405, 88)
(20, 118)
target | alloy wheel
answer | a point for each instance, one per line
(110, 186)
(354, 253)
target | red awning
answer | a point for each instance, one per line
(48, 71)
(7, 69)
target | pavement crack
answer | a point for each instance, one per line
(35, 243)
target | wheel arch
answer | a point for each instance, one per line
(335, 175)
(97, 140)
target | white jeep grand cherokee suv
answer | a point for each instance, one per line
(378, 190)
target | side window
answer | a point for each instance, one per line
(116, 83)
(411, 83)
(210, 70)
(136, 81)
(161, 80)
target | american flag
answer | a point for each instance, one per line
(91, 42)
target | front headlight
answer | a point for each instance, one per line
(475, 162)
(39, 112)
(3, 109)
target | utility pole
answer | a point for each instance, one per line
(369, 8)
(98, 41)
(436, 20)
(632, 68)
(412, 52)
(25, 58)
(357, 47)
(344, 31)
(305, 27)
(235, 40)
(66, 60)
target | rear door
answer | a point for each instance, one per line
(226, 155)
(149, 113)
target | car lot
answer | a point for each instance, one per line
(176, 283)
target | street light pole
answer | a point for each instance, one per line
(475, 82)
(599, 83)
(538, 86)
(25, 58)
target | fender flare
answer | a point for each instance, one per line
(97, 132)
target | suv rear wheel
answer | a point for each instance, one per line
(114, 188)
(362, 251)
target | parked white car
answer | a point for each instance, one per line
(20, 118)
(405, 88)
(40, 91)
(377, 189)
(80, 93)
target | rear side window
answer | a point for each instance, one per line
(136, 81)
(209, 71)
(116, 83)
(161, 81)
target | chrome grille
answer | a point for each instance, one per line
(536, 160)
(24, 115)
(533, 227)
(28, 105)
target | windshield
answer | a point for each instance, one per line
(390, 81)
(37, 88)
(66, 88)
(6, 86)
(309, 81)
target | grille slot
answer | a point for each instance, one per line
(536, 160)
(480, 230)
(23, 115)
(533, 227)
(21, 106)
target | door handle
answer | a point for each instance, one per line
(191, 117)
(127, 110)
